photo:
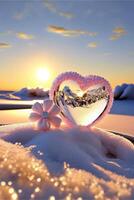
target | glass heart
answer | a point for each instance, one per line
(81, 103)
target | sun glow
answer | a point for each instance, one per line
(43, 74)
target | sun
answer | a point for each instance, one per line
(43, 74)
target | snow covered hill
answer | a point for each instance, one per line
(124, 91)
(25, 94)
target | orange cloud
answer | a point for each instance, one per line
(69, 32)
(118, 33)
(4, 45)
(24, 36)
(92, 44)
(119, 30)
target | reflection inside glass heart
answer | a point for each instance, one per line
(81, 107)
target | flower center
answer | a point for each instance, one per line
(45, 114)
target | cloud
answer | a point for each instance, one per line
(118, 32)
(68, 32)
(115, 37)
(25, 11)
(66, 14)
(24, 36)
(92, 44)
(52, 8)
(20, 35)
(4, 45)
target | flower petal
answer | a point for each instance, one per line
(47, 105)
(43, 124)
(34, 116)
(55, 121)
(54, 110)
(37, 107)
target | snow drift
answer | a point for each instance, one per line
(33, 92)
(125, 91)
(26, 94)
(65, 164)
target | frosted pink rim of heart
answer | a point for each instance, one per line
(84, 83)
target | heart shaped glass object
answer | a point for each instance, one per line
(82, 100)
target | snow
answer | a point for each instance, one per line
(125, 91)
(25, 94)
(33, 92)
(65, 164)
(124, 107)
(128, 93)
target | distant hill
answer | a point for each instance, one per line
(124, 91)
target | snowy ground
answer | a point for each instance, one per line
(24, 94)
(66, 164)
(120, 120)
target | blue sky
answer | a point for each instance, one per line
(91, 37)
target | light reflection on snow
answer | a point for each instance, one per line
(119, 123)
(25, 177)
(14, 116)
(22, 176)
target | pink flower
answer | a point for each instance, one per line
(45, 114)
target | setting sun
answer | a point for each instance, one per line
(43, 74)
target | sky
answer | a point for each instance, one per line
(89, 37)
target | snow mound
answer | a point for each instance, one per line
(65, 164)
(34, 92)
(125, 91)
(26, 94)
